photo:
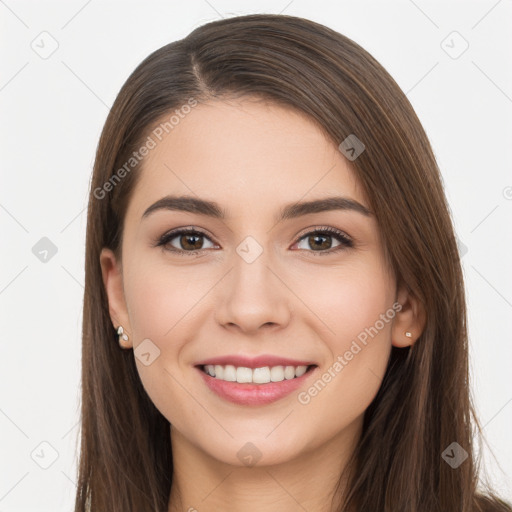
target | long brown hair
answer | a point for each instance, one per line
(424, 403)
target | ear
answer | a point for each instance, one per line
(113, 281)
(411, 318)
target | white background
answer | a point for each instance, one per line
(53, 110)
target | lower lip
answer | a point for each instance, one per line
(254, 394)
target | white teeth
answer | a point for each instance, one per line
(242, 375)
(301, 370)
(261, 375)
(277, 373)
(289, 372)
(219, 371)
(230, 373)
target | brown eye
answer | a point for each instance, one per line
(185, 241)
(321, 241)
(190, 241)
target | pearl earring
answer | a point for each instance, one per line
(121, 333)
(408, 334)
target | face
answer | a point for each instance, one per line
(310, 289)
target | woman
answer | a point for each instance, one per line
(274, 316)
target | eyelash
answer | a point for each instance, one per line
(345, 241)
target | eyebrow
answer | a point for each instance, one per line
(289, 211)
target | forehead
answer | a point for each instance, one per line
(244, 152)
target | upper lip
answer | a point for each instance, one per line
(254, 362)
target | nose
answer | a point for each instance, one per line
(253, 296)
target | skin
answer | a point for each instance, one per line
(252, 158)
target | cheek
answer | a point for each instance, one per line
(356, 305)
(163, 304)
(160, 300)
(346, 300)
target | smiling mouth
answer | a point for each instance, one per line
(262, 375)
